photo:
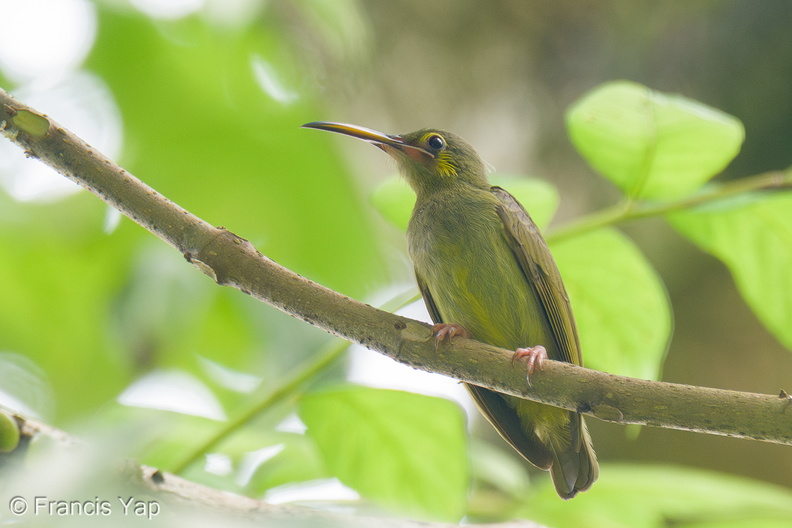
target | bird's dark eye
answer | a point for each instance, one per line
(436, 142)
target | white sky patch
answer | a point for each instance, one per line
(83, 104)
(270, 82)
(42, 46)
(229, 378)
(375, 370)
(112, 220)
(314, 490)
(168, 9)
(218, 464)
(11, 402)
(173, 391)
(291, 424)
(44, 40)
(251, 462)
(232, 13)
(24, 386)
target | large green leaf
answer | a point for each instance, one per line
(647, 496)
(394, 199)
(400, 449)
(204, 125)
(58, 277)
(753, 237)
(652, 145)
(620, 304)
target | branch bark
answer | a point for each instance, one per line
(232, 261)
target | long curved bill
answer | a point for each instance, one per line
(374, 137)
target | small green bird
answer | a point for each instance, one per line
(485, 272)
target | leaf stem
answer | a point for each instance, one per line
(629, 210)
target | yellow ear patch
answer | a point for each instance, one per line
(445, 164)
(443, 159)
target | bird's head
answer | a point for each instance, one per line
(430, 159)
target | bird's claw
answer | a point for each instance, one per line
(533, 356)
(446, 331)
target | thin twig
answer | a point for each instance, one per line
(624, 212)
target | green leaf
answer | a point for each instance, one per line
(222, 144)
(647, 496)
(652, 145)
(753, 237)
(402, 450)
(620, 304)
(394, 199)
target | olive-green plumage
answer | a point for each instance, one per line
(482, 264)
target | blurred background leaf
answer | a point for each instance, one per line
(620, 304)
(652, 145)
(752, 235)
(222, 124)
(403, 450)
(667, 495)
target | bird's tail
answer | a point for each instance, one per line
(575, 466)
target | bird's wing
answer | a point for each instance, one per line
(431, 307)
(494, 407)
(540, 271)
(505, 419)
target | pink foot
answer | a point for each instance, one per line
(445, 331)
(533, 356)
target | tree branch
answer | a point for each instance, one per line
(233, 261)
(173, 497)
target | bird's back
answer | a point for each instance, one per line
(458, 247)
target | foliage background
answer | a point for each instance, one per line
(206, 108)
